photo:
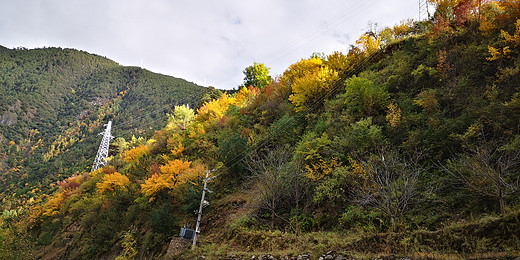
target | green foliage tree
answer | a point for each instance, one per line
(257, 75)
(181, 117)
(364, 96)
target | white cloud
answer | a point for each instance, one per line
(197, 40)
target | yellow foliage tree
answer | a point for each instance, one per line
(173, 174)
(245, 94)
(512, 41)
(177, 150)
(300, 69)
(181, 118)
(111, 182)
(338, 62)
(134, 154)
(53, 205)
(155, 184)
(318, 171)
(215, 110)
(197, 130)
(175, 167)
(307, 89)
(394, 115)
(369, 43)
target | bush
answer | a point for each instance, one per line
(162, 220)
(361, 219)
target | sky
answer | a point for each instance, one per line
(207, 42)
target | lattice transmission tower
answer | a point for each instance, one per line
(424, 13)
(102, 154)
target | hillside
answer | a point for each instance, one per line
(54, 102)
(406, 145)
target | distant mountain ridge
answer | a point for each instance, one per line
(54, 101)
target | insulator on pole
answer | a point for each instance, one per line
(102, 154)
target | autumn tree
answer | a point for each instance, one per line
(369, 43)
(214, 110)
(173, 174)
(444, 8)
(310, 81)
(510, 44)
(134, 154)
(112, 182)
(338, 61)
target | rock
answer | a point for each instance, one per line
(268, 257)
(329, 257)
(340, 257)
(176, 246)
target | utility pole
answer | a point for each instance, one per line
(479, 10)
(184, 125)
(102, 154)
(203, 204)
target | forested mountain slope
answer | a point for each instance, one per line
(407, 144)
(54, 102)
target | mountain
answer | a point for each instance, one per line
(54, 102)
(407, 146)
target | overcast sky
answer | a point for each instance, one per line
(206, 42)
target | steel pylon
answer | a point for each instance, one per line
(102, 154)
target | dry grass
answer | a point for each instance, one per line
(486, 238)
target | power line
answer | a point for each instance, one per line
(238, 158)
(311, 35)
(342, 17)
(274, 56)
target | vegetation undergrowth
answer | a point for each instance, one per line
(408, 144)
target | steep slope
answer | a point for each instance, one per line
(407, 145)
(54, 101)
